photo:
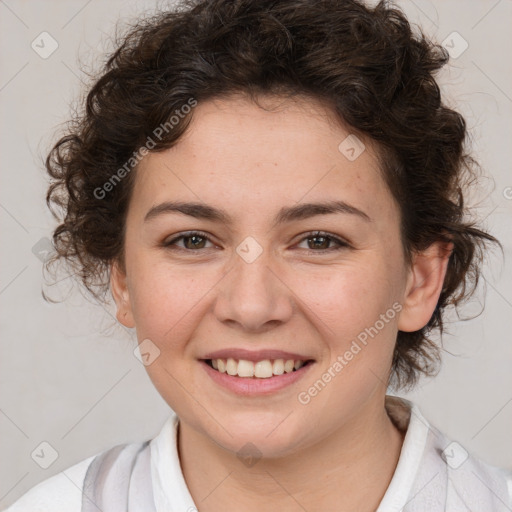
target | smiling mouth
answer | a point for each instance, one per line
(264, 369)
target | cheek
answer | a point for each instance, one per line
(357, 311)
(347, 299)
(167, 299)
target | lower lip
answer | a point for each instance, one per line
(255, 386)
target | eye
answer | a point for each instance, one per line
(192, 240)
(321, 242)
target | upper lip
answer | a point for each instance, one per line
(254, 355)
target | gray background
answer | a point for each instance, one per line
(68, 373)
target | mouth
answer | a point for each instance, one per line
(263, 369)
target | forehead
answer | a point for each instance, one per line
(258, 157)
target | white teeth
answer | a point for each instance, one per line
(261, 369)
(288, 366)
(245, 368)
(231, 366)
(278, 367)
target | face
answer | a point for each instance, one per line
(255, 272)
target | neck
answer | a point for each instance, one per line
(348, 470)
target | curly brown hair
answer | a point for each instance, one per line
(366, 63)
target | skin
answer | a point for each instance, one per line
(339, 451)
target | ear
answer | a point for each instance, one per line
(424, 285)
(119, 289)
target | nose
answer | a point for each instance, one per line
(254, 297)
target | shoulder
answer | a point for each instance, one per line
(435, 472)
(62, 491)
(466, 480)
(112, 469)
(473, 481)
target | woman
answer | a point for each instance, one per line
(273, 190)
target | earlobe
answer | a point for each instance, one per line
(119, 289)
(424, 285)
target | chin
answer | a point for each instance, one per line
(261, 434)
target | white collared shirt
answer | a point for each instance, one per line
(433, 474)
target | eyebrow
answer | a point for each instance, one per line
(286, 214)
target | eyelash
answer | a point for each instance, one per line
(342, 244)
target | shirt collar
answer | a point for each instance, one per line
(171, 492)
(408, 419)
